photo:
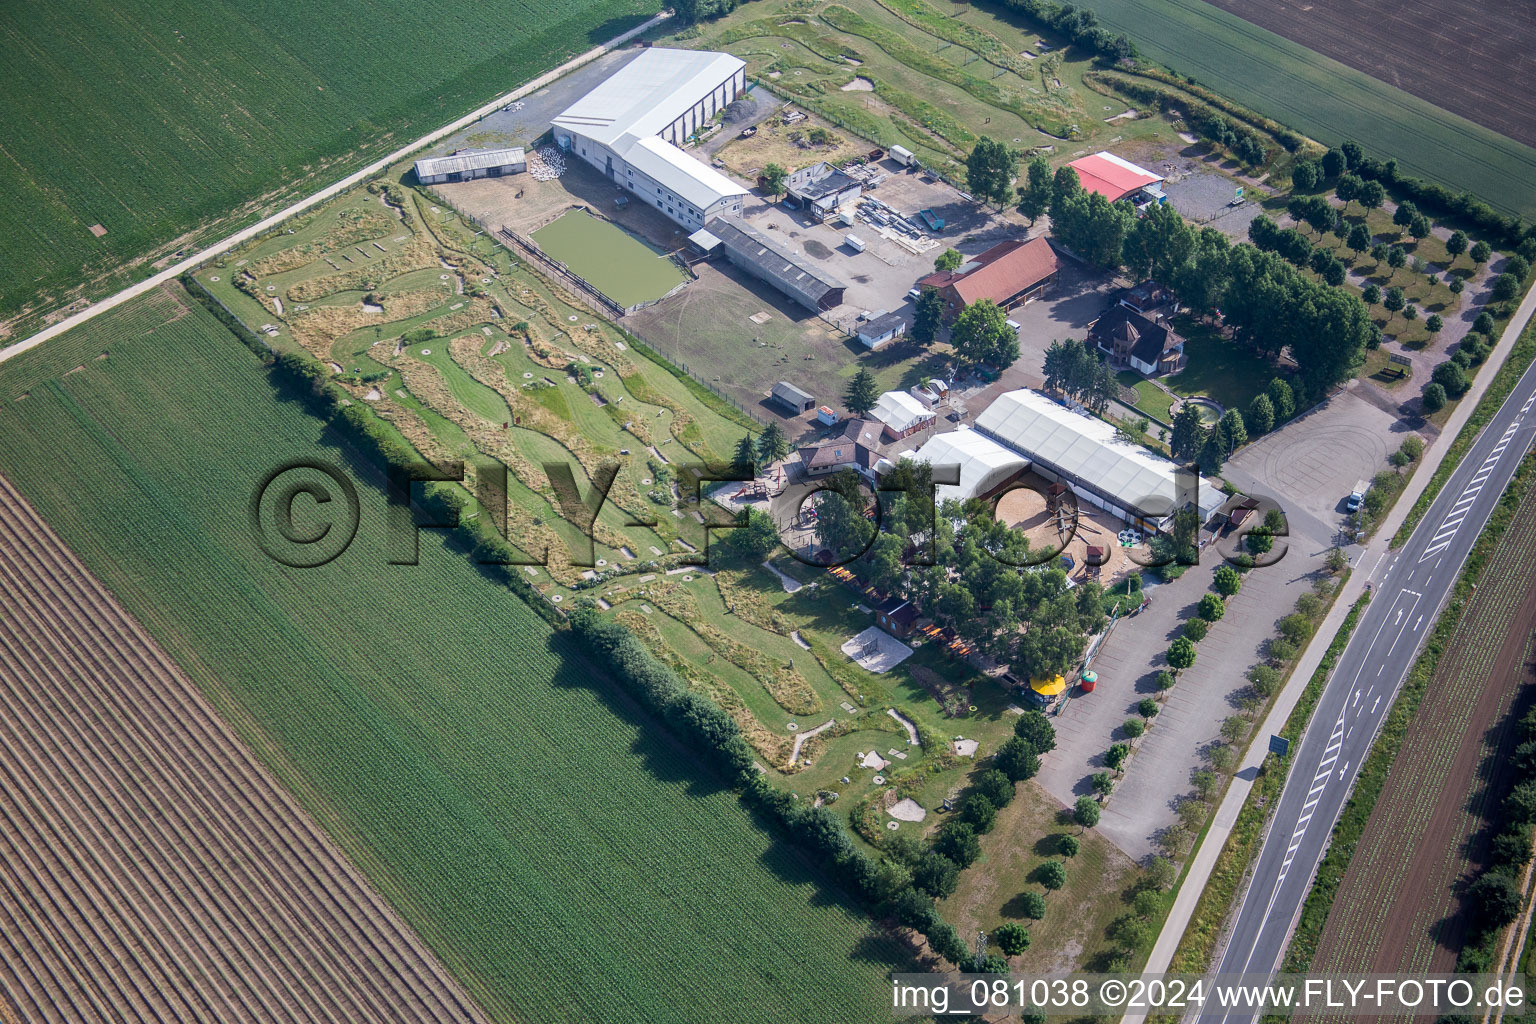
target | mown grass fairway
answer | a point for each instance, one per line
(621, 266)
(167, 123)
(1325, 99)
(564, 860)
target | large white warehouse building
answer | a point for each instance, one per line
(1122, 478)
(629, 128)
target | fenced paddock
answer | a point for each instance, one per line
(613, 261)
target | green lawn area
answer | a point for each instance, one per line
(565, 859)
(1150, 398)
(621, 266)
(1217, 368)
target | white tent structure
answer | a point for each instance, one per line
(1084, 453)
(984, 464)
(901, 413)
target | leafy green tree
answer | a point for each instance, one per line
(1261, 414)
(1234, 432)
(1358, 239)
(1037, 729)
(1394, 300)
(1158, 243)
(1334, 163)
(1086, 810)
(1228, 581)
(1035, 197)
(1283, 399)
(957, 841)
(928, 315)
(1456, 244)
(1011, 937)
(1306, 176)
(841, 528)
(1115, 756)
(1017, 759)
(1213, 453)
(1188, 432)
(1433, 324)
(1195, 629)
(1505, 287)
(995, 786)
(936, 875)
(1164, 681)
(1452, 378)
(1370, 294)
(1133, 727)
(1495, 898)
(1484, 324)
(745, 459)
(1181, 654)
(862, 392)
(1068, 846)
(1265, 680)
(774, 179)
(1053, 873)
(989, 171)
(1397, 257)
(1212, 607)
(1372, 195)
(1102, 782)
(772, 445)
(1032, 905)
(1147, 707)
(1481, 253)
(981, 335)
(949, 259)
(979, 813)
(1434, 397)
(1404, 214)
(755, 537)
(1419, 228)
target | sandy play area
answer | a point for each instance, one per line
(1025, 510)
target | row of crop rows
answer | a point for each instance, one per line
(152, 872)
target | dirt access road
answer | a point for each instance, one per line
(150, 869)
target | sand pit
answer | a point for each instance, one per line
(907, 810)
(966, 748)
(1025, 510)
(859, 84)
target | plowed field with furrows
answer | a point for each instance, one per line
(150, 870)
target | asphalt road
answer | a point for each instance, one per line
(1409, 588)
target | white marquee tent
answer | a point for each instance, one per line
(1117, 476)
(984, 464)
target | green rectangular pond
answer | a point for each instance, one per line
(616, 263)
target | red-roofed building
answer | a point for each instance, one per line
(1010, 274)
(1115, 179)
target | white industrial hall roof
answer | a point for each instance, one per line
(984, 464)
(900, 411)
(648, 93)
(696, 182)
(1088, 449)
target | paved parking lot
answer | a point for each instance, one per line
(1311, 464)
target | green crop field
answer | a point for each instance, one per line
(565, 860)
(168, 123)
(621, 266)
(1325, 99)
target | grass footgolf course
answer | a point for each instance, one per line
(615, 262)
